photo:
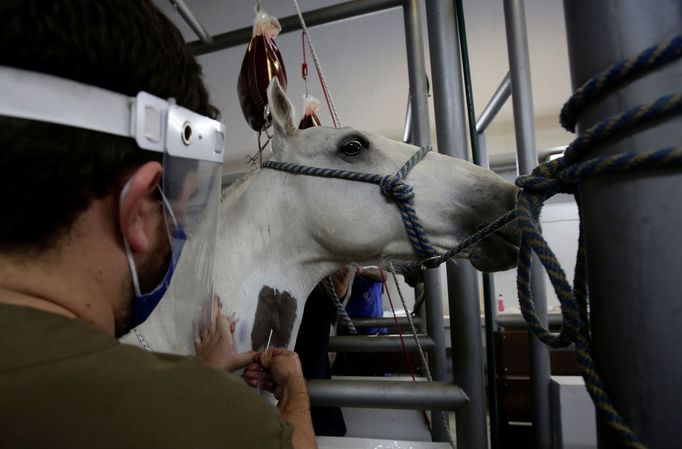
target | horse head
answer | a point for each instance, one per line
(354, 221)
(280, 233)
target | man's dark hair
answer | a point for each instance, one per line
(51, 173)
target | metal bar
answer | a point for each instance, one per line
(378, 343)
(631, 224)
(516, 322)
(522, 100)
(191, 20)
(421, 132)
(407, 131)
(451, 129)
(489, 305)
(498, 100)
(363, 323)
(321, 16)
(393, 394)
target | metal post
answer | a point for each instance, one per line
(433, 305)
(490, 311)
(522, 99)
(378, 343)
(499, 98)
(632, 225)
(394, 394)
(191, 20)
(322, 16)
(465, 330)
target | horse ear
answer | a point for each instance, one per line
(282, 112)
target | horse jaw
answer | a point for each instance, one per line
(261, 265)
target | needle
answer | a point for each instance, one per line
(260, 374)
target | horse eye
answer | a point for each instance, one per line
(352, 147)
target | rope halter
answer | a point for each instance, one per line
(391, 186)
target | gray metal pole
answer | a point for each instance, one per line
(189, 17)
(522, 99)
(433, 305)
(632, 225)
(491, 362)
(386, 394)
(490, 306)
(378, 343)
(497, 101)
(463, 294)
(322, 16)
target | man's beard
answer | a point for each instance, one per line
(150, 273)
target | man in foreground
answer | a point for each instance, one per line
(98, 210)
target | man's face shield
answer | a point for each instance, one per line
(192, 147)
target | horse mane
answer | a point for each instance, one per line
(239, 184)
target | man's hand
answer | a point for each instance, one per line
(372, 273)
(276, 370)
(279, 371)
(215, 345)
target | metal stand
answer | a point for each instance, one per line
(421, 136)
(522, 98)
(631, 225)
(465, 329)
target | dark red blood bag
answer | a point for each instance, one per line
(310, 107)
(262, 62)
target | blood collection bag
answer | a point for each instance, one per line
(310, 107)
(261, 63)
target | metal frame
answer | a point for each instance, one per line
(631, 225)
(451, 132)
(451, 135)
(191, 20)
(393, 394)
(524, 126)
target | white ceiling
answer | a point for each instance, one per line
(365, 64)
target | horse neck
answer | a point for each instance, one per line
(263, 242)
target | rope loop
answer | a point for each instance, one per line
(394, 187)
(563, 175)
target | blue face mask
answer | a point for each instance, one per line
(145, 303)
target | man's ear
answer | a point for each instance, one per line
(282, 112)
(135, 206)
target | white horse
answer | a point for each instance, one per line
(279, 234)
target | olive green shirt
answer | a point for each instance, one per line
(65, 384)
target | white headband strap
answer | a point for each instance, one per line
(154, 123)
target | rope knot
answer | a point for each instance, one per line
(546, 179)
(394, 187)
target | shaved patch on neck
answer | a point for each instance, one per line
(277, 311)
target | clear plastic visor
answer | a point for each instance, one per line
(192, 190)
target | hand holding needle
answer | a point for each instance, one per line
(260, 375)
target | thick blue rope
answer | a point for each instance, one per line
(617, 75)
(564, 175)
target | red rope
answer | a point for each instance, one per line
(402, 342)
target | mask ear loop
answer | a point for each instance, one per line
(129, 252)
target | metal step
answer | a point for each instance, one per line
(378, 343)
(403, 322)
(391, 394)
